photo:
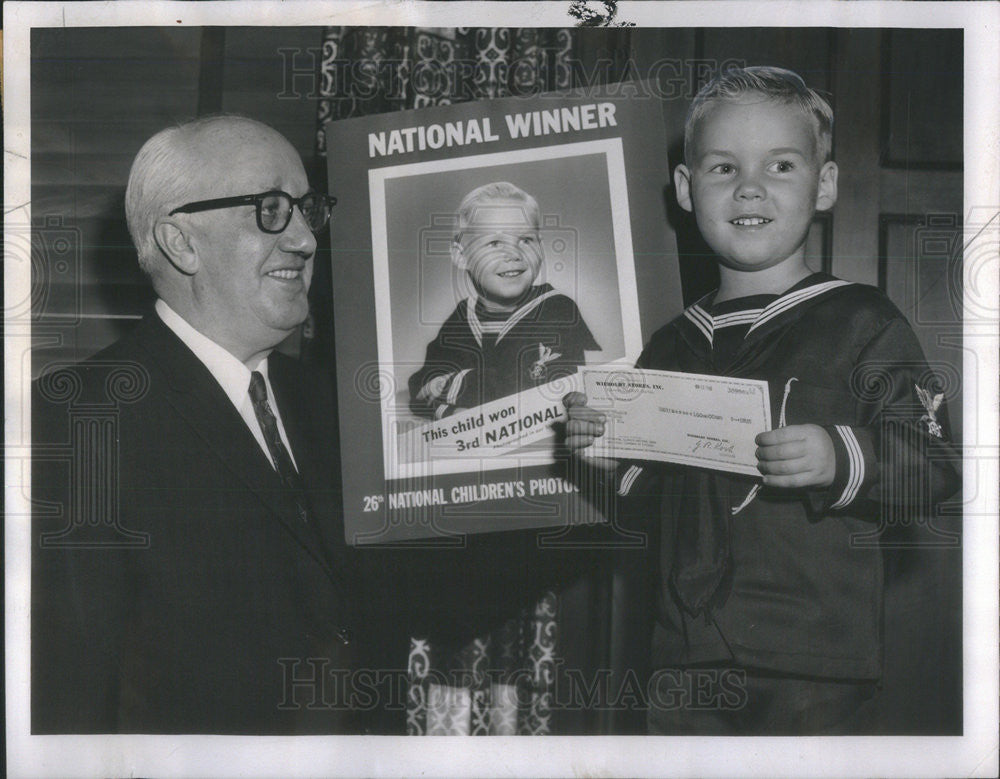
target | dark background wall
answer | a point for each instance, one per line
(98, 94)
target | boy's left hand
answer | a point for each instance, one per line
(796, 456)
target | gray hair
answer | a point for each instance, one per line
(163, 176)
(779, 84)
(497, 190)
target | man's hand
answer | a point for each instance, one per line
(796, 456)
(583, 425)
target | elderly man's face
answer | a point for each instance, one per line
(251, 287)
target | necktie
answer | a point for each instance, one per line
(279, 454)
(289, 476)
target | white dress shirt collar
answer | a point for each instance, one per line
(231, 374)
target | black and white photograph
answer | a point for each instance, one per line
(554, 262)
(486, 284)
(618, 372)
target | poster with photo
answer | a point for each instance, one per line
(495, 251)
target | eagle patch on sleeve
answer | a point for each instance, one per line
(540, 366)
(931, 405)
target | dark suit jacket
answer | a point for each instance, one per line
(175, 589)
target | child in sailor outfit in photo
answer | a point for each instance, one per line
(510, 334)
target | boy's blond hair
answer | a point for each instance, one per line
(497, 190)
(784, 86)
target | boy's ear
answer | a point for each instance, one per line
(682, 186)
(826, 193)
(175, 244)
(458, 258)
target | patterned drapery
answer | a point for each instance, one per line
(371, 70)
(507, 677)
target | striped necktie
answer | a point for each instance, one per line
(279, 454)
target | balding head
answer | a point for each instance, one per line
(240, 285)
(174, 167)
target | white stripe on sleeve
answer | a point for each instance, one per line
(456, 386)
(628, 480)
(856, 466)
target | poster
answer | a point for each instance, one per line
(468, 403)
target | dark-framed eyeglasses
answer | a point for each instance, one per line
(274, 208)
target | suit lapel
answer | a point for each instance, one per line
(311, 426)
(197, 397)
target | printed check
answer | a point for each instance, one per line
(686, 418)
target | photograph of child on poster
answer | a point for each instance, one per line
(501, 280)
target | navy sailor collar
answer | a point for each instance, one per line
(698, 325)
(500, 327)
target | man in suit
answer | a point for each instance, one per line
(189, 571)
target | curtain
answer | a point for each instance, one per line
(370, 70)
(374, 70)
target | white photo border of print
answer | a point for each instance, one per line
(494, 466)
(973, 753)
(447, 434)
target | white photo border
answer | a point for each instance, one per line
(973, 754)
(612, 151)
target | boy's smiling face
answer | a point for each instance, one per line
(755, 183)
(501, 250)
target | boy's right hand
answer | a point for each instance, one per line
(583, 425)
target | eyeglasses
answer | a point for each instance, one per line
(274, 208)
